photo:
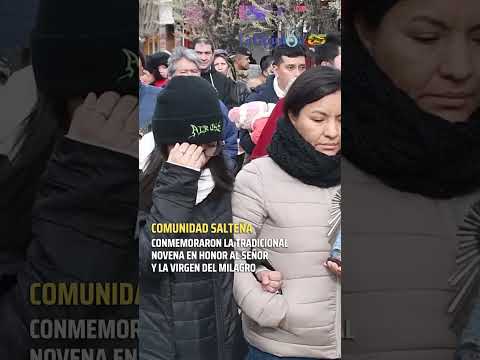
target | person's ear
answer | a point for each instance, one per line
(365, 33)
(292, 117)
(275, 70)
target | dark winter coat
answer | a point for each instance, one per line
(12, 253)
(18, 186)
(225, 87)
(241, 93)
(265, 92)
(186, 316)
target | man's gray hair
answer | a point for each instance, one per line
(178, 54)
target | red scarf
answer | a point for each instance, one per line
(265, 139)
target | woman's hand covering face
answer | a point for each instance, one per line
(110, 122)
(189, 155)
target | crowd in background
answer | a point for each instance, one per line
(237, 80)
(267, 155)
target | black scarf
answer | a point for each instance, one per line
(388, 136)
(300, 159)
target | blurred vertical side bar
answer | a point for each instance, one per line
(411, 180)
(69, 179)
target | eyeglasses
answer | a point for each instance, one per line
(214, 149)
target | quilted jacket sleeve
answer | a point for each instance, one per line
(173, 200)
(248, 204)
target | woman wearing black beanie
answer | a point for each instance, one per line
(186, 315)
(411, 130)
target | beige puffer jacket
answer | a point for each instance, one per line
(305, 320)
(400, 249)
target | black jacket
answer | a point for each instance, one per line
(12, 253)
(19, 185)
(224, 86)
(186, 316)
(240, 93)
(265, 92)
(82, 230)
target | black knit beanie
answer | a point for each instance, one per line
(187, 110)
(16, 22)
(86, 46)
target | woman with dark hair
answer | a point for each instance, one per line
(411, 77)
(157, 65)
(186, 315)
(145, 76)
(289, 195)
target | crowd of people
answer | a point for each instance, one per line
(235, 85)
(219, 145)
(268, 157)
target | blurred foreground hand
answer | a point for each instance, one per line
(110, 122)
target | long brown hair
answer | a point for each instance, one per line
(221, 174)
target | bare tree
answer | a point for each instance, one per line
(216, 19)
(220, 21)
(297, 16)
